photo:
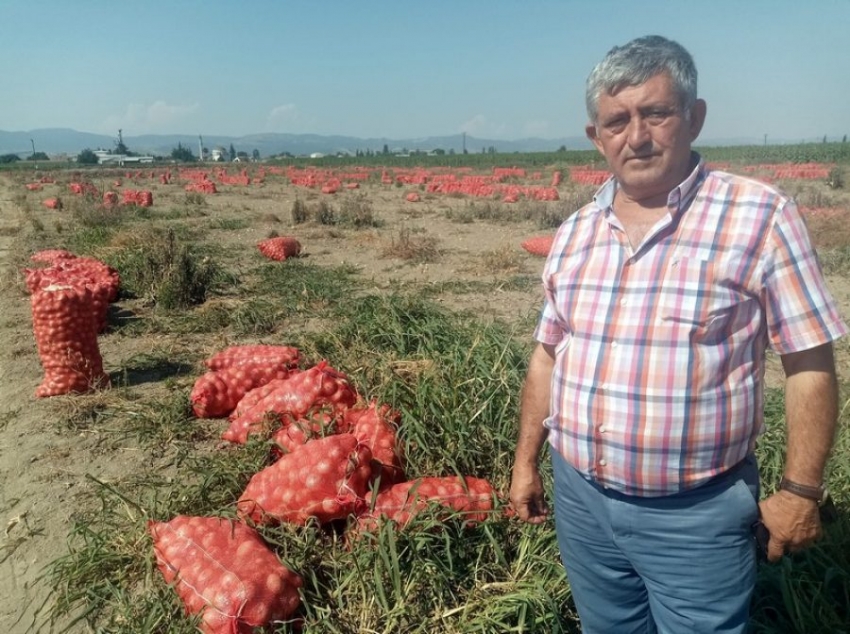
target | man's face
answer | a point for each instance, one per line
(646, 137)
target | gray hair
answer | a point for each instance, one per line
(638, 61)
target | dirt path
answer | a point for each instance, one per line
(31, 465)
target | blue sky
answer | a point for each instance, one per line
(496, 69)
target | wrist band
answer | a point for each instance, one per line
(818, 494)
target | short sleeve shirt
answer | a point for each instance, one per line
(660, 350)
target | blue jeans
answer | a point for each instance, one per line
(678, 564)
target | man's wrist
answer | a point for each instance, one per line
(815, 493)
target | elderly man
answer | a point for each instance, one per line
(662, 296)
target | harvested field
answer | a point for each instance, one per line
(427, 305)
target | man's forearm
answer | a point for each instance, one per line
(811, 412)
(535, 406)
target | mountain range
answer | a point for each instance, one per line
(65, 141)
(57, 141)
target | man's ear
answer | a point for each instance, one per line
(593, 135)
(698, 111)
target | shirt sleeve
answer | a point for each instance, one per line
(550, 328)
(801, 313)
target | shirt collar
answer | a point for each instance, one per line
(677, 199)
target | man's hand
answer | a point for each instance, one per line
(793, 522)
(527, 495)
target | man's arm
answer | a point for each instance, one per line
(526, 487)
(811, 412)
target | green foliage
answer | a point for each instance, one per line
(87, 157)
(183, 154)
(38, 156)
(9, 158)
(166, 272)
(836, 178)
(793, 153)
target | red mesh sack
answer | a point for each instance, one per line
(280, 248)
(295, 396)
(66, 338)
(256, 395)
(52, 203)
(375, 426)
(103, 281)
(216, 394)
(258, 354)
(541, 245)
(325, 479)
(51, 255)
(224, 571)
(319, 422)
(473, 497)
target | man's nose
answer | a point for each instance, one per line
(638, 132)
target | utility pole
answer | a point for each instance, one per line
(33, 147)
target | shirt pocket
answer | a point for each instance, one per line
(698, 298)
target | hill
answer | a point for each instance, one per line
(67, 141)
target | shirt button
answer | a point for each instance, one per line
(624, 301)
(602, 429)
(614, 344)
(604, 386)
(603, 462)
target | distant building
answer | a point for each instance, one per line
(219, 154)
(104, 157)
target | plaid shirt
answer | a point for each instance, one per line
(659, 365)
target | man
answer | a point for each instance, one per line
(661, 297)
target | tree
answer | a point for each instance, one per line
(87, 157)
(181, 153)
(255, 154)
(232, 153)
(38, 156)
(9, 158)
(386, 149)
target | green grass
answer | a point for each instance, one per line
(456, 382)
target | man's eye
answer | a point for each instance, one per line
(615, 125)
(658, 116)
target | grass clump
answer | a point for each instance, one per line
(165, 271)
(299, 286)
(195, 199)
(505, 259)
(411, 248)
(325, 214)
(357, 212)
(300, 213)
